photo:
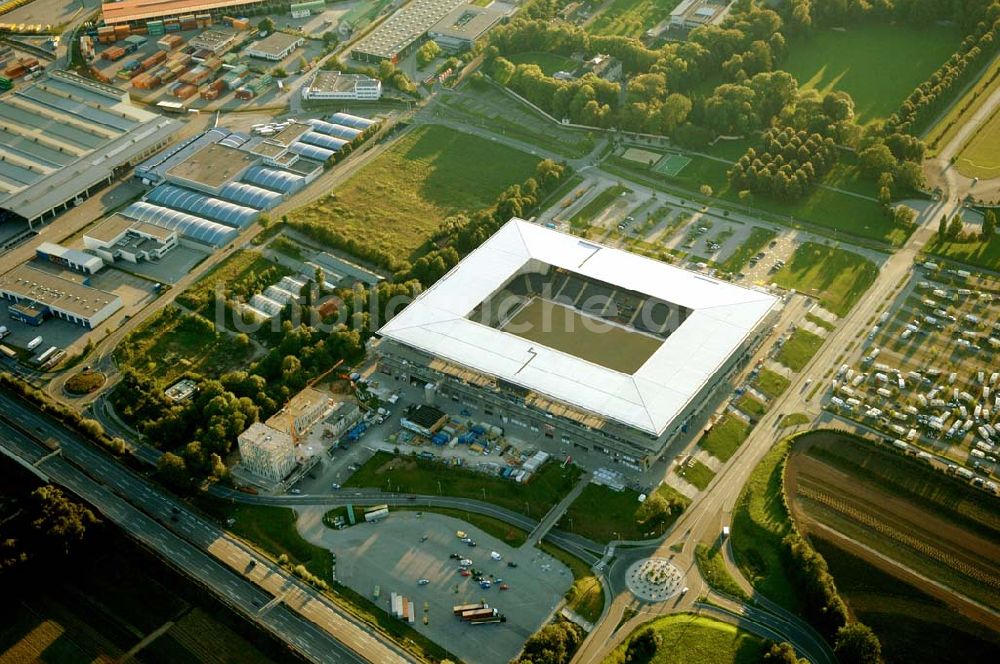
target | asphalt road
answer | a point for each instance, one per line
(306, 620)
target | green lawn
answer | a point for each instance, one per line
(172, 343)
(241, 275)
(759, 237)
(820, 322)
(549, 63)
(751, 406)
(412, 475)
(586, 214)
(771, 383)
(690, 639)
(601, 514)
(799, 349)
(941, 134)
(794, 419)
(982, 254)
(878, 65)
(760, 522)
(491, 526)
(980, 157)
(838, 278)
(631, 18)
(697, 474)
(586, 596)
(713, 568)
(727, 435)
(396, 201)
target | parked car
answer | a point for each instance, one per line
(511, 563)
(423, 582)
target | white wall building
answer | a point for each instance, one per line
(267, 452)
(335, 85)
(120, 238)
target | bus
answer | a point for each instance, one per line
(170, 107)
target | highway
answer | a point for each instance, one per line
(306, 620)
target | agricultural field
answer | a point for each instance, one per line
(631, 18)
(421, 476)
(911, 624)
(690, 639)
(878, 65)
(399, 199)
(800, 347)
(173, 343)
(834, 276)
(926, 522)
(602, 514)
(549, 63)
(980, 157)
(726, 436)
(943, 330)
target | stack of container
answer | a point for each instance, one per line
(204, 20)
(113, 53)
(183, 90)
(188, 22)
(170, 42)
(212, 90)
(87, 48)
(156, 58)
(138, 40)
(122, 31)
(146, 81)
(155, 28)
(171, 24)
(106, 34)
(234, 77)
(237, 23)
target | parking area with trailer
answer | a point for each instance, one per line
(394, 555)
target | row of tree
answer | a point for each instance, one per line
(44, 527)
(791, 163)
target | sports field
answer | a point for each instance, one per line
(565, 329)
(980, 157)
(642, 156)
(396, 201)
(878, 65)
(672, 165)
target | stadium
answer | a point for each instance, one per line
(590, 345)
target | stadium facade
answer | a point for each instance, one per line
(590, 345)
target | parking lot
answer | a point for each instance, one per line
(390, 554)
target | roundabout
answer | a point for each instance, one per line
(654, 579)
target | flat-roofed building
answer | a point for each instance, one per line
(64, 137)
(56, 296)
(135, 12)
(592, 345)
(691, 14)
(216, 41)
(211, 168)
(335, 85)
(301, 412)
(463, 25)
(74, 259)
(120, 238)
(402, 31)
(275, 47)
(267, 452)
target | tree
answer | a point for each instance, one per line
(955, 227)
(876, 160)
(782, 653)
(553, 644)
(642, 647)
(857, 644)
(942, 231)
(218, 468)
(265, 25)
(59, 520)
(173, 469)
(989, 225)
(904, 215)
(503, 71)
(910, 176)
(427, 53)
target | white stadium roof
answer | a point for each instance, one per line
(722, 317)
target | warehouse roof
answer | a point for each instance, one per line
(213, 165)
(722, 317)
(49, 289)
(112, 228)
(409, 23)
(123, 11)
(467, 22)
(275, 43)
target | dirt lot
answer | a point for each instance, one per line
(852, 495)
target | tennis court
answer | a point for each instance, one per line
(671, 165)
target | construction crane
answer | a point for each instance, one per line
(291, 417)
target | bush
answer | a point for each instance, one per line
(824, 608)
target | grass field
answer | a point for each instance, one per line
(410, 475)
(770, 383)
(760, 522)
(982, 254)
(690, 639)
(697, 474)
(631, 18)
(726, 436)
(980, 157)
(241, 275)
(173, 343)
(586, 214)
(878, 65)
(751, 406)
(586, 596)
(713, 568)
(910, 624)
(799, 349)
(396, 201)
(794, 419)
(592, 339)
(836, 277)
(941, 134)
(549, 63)
(759, 237)
(602, 514)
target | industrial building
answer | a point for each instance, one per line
(267, 452)
(275, 47)
(35, 295)
(63, 137)
(73, 259)
(135, 12)
(213, 41)
(120, 238)
(335, 85)
(300, 413)
(462, 26)
(691, 14)
(402, 31)
(495, 333)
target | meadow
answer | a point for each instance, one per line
(980, 157)
(836, 277)
(690, 639)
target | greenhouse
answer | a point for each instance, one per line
(311, 151)
(199, 204)
(275, 180)
(349, 120)
(323, 141)
(185, 224)
(339, 131)
(247, 194)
